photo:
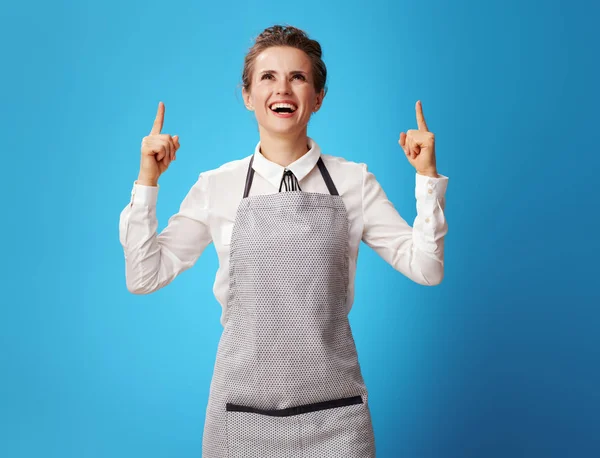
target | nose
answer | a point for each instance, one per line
(283, 86)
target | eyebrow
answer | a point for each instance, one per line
(292, 72)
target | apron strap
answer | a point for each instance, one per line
(249, 177)
(327, 177)
(324, 172)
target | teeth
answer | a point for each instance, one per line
(284, 105)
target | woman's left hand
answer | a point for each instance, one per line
(419, 146)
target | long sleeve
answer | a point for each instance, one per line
(153, 260)
(418, 251)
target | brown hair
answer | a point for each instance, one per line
(282, 35)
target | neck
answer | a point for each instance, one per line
(283, 149)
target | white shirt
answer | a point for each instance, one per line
(208, 211)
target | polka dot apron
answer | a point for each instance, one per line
(287, 381)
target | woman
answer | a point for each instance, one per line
(286, 222)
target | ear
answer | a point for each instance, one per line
(247, 101)
(320, 97)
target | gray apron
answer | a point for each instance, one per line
(287, 381)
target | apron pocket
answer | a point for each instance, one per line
(255, 435)
(340, 425)
(344, 431)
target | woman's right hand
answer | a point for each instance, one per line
(158, 150)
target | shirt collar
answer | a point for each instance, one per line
(273, 172)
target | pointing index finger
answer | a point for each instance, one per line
(420, 117)
(158, 121)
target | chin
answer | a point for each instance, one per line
(275, 129)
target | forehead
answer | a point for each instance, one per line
(283, 58)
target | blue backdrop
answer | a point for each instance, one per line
(500, 360)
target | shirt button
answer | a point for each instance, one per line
(430, 191)
(426, 220)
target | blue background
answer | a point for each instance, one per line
(500, 360)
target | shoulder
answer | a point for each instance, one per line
(229, 168)
(228, 172)
(339, 165)
(339, 161)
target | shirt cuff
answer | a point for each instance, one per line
(430, 187)
(144, 195)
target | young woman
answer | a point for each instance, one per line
(286, 222)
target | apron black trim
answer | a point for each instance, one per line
(327, 178)
(324, 172)
(249, 176)
(298, 409)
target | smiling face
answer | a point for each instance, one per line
(282, 74)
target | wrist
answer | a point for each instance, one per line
(145, 181)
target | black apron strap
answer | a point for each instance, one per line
(327, 177)
(249, 177)
(324, 172)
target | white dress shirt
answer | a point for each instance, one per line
(207, 214)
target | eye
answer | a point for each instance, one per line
(270, 76)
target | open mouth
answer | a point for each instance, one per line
(284, 110)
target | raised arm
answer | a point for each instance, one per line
(153, 260)
(418, 251)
